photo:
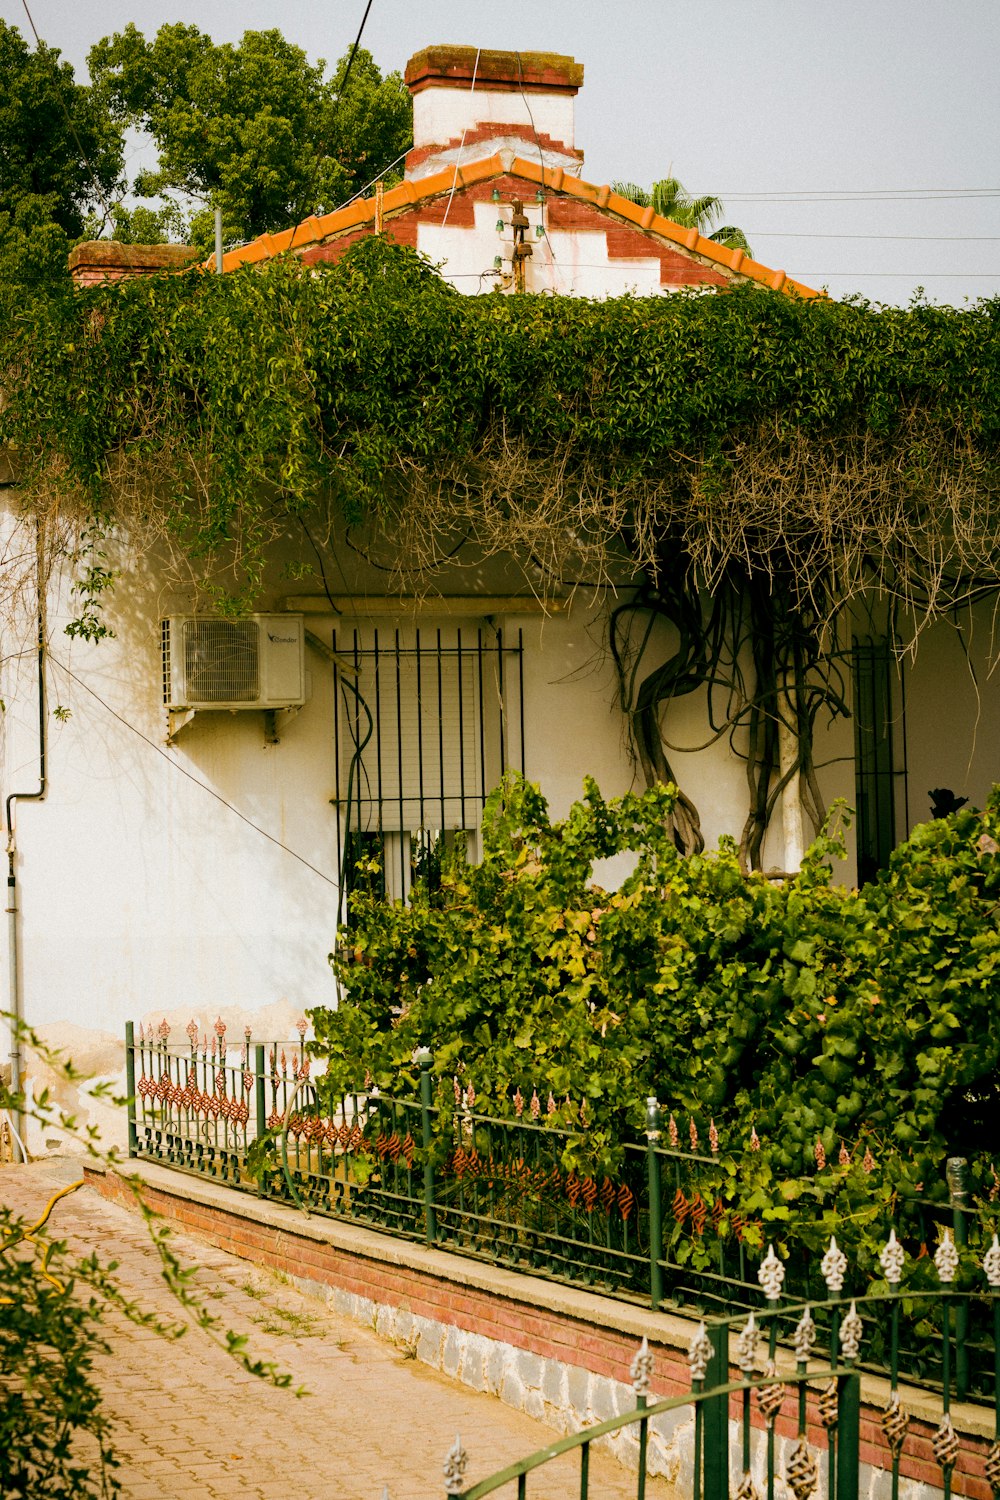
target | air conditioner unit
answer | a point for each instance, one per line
(255, 662)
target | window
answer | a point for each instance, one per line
(426, 723)
(879, 761)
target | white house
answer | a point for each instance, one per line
(177, 863)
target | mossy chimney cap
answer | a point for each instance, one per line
(532, 72)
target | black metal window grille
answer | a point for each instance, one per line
(879, 761)
(425, 725)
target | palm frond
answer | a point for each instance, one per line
(633, 192)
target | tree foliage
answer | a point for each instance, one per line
(60, 151)
(671, 198)
(253, 128)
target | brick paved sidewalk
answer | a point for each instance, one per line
(188, 1422)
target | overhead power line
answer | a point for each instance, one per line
(861, 194)
(920, 239)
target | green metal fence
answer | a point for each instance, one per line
(727, 1457)
(248, 1115)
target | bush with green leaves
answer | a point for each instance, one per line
(853, 1034)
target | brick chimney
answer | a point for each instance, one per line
(518, 102)
(107, 260)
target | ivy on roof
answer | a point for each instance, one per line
(852, 434)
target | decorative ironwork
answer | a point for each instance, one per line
(699, 1353)
(746, 1490)
(891, 1258)
(991, 1264)
(833, 1266)
(455, 1464)
(850, 1334)
(895, 1425)
(992, 1467)
(945, 1442)
(828, 1405)
(746, 1345)
(641, 1368)
(771, 1275)
(805, 1337)
(801, 1471)
(946, 1259)
(770, 1397)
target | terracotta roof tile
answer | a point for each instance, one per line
(408, 194)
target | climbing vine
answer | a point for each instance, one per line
(762, 466)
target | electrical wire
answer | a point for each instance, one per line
(461, 149)
(185, 772)
(339, 96)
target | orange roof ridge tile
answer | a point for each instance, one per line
(411, 192)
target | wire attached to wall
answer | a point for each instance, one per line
(190, 777)
(461, 149)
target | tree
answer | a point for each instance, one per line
(60, 156)
(671, 199)
(254, 128)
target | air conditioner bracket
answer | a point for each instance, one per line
(276, 721)
(177, 719)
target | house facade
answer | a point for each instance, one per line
(187, 862)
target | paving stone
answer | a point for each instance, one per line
(188, 1421)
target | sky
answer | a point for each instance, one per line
(855, 141)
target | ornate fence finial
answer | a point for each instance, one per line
(771, 1275)
(673, 1134)
(699, 1353)
(805, 1337)
(746, 1345)
(713, 1138)
(754, 1139)
(991, 1264)
(946, 1259)
(819, 1152)
(455, 1465)
(693, 1134)
(891, 1258)
(641, 1368)
(850, 1334)
(868, 1161)
(844, 1156)
(833, 1266)
(518, 1102)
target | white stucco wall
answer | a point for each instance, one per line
(568, 262)
(442, 114)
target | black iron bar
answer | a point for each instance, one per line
(420, 735)
(440, 687)
(520, 691)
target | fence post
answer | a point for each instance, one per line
(715, 1420)
(848, 1437)
(957, 1174)
(133, 1134)
(260, 1092)
(430, 1223)
(655, 1203)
